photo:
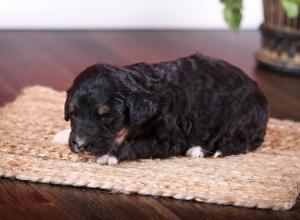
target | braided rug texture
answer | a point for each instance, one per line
(267, 178)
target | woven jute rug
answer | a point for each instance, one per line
(267, 178)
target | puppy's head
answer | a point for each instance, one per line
(104, 109)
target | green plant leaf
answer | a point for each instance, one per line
(233, 17)
(232, 12)
(295, 1)
(233, 3)
(291, 7)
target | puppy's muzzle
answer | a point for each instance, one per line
(77, 145)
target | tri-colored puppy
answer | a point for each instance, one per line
(195, 106)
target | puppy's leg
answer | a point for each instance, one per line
(144, 149)
(218, 154)
(62, 137)
(232, 149)
(195, 151)
(107, 159)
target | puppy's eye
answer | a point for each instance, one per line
(102, 109)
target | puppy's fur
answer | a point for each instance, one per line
(195, 106)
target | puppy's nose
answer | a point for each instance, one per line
(74, 146)
(78, 145)
(82, 147)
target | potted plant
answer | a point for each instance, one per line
(280, 44)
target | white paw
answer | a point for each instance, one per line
(195, 152)
(217, 154)
(62, 137)
(107, 159)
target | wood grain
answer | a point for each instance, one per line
(53, 58)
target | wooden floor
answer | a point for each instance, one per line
(54, 58)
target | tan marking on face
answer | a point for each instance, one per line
(121, 135)
(71, 108)
(102, 109)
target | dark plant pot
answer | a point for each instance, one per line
(280, 45)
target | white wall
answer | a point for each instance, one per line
(121, 14)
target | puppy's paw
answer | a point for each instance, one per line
(62, 137)
(217, 154)
(107, 159)
(195, 151)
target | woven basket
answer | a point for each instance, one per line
(280, 49)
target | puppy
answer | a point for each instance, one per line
(196, 106)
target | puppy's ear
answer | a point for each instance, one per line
(67, 105)
(67, 113)
(141, 109)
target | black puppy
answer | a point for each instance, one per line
(195, 106)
